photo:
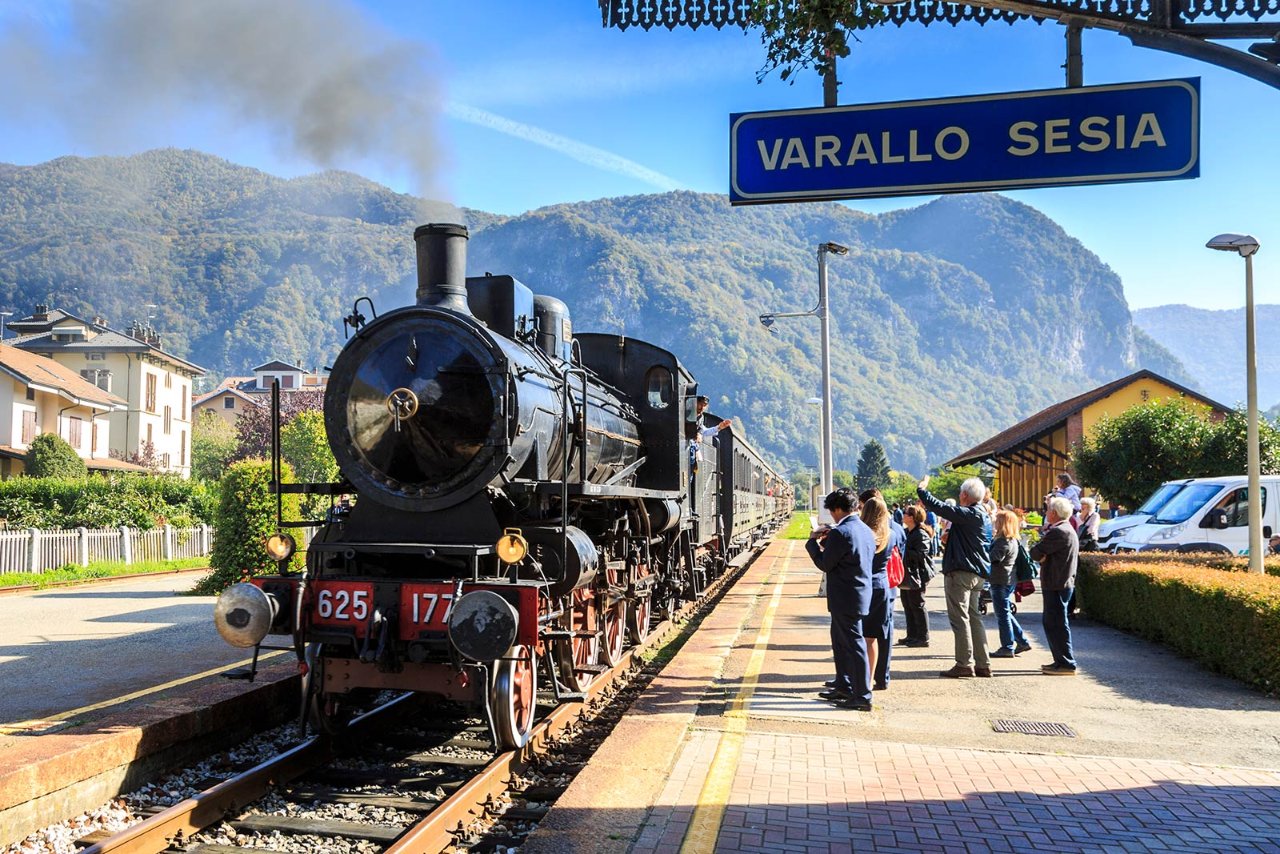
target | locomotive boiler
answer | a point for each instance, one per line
(525, 499)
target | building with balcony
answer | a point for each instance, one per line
(155, 384)
(39, 395)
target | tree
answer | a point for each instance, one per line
(305, 446)
(1227, 449)
(901, 488)
(800, 34)
(1127, 456)
(49, 455)
(213, 446)
(873, 467)
(244, 519)
(945, 483)
(841, 478)
(145, 456)
(253, 427)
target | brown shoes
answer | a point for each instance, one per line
(984, 672)
(959, 672)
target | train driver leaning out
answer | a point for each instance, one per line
(695, 444)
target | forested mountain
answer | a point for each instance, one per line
(950, 320)
(1211, 346)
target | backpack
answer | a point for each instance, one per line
(895, 568)
(1024, 568)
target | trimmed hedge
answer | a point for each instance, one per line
(245, 518)
(1228, 621)
(137, 500)
(49, 455)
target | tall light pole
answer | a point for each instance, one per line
(4, 319)
(1247, 246)
(823, 312)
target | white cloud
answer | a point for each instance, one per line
(579, 151)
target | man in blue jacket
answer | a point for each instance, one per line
(966, 563)
(844, 552)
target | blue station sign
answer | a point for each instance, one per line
(1147, 131)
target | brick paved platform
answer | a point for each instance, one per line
(731, 750)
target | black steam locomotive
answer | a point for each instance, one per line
(528, 500)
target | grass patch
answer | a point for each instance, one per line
(104, 569)
(798, 528)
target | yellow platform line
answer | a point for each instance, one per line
(42, 723)
(704, 827)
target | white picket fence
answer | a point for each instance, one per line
(34, 550)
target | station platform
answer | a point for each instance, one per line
(730, 749)
(71, 651)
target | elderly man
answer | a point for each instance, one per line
(844, 553)
(966, 562)
(1058, 552)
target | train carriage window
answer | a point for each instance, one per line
(658, 383)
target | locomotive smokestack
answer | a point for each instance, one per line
(442, 266)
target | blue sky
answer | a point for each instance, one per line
(542, 105)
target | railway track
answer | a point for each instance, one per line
(407, 789)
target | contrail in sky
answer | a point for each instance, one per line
(579, 151)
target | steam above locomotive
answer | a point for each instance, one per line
(525, 503)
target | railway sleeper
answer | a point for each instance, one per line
(333, 796)
(380, 833)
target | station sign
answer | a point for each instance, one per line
(1147, 131)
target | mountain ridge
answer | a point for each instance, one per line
(950, 320)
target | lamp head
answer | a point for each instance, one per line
(767, 321)
(836, 248)
(1244, 244)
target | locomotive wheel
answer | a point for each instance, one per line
(640, 612)
(613, 624)
(513, 697)
(576, 657)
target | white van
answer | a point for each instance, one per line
(1112, 531)
(1207, 514)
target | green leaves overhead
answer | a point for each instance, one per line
(799, 34)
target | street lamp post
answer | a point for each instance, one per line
(1247, 246)
(823, 312)
(4, 320)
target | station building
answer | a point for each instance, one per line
(155, 384)
(1029, 456)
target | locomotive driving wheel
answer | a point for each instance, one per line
(513, 697)
(577, 658)
(640, 612)
(613, 638)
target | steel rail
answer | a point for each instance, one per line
(192, 815)
(441, 827)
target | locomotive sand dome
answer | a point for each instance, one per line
(426, 406)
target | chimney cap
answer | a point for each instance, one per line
(451, 229)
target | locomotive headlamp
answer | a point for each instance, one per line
(281, 546)
(512, 547)
(244, 613)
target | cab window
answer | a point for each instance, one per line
(658, 384)
(1235, 507)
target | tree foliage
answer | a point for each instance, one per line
(305, 446)
(873, 467)
(244, 519)
(799, 34)
(1126, 457)
(253, 427)
(49, 455)
(945, 483)
(213, 446)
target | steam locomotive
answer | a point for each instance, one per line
(528, 500)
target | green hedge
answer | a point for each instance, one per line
(1228, 621)
(137, 500)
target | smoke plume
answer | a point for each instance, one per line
(330, 86)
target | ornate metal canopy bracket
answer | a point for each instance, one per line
(1185, 27)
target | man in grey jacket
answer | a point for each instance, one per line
(966, 562)
(1058, 552)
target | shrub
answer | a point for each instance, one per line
(137, 500)
(244, 519)
(1228, 621)
(49, 455)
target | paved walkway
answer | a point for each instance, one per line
(731, 750)
(68, 648)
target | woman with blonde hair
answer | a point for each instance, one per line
(877, 626)
(920, 571)
(1004, 557)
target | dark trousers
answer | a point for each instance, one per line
(917, 617)
(853, 669)
(885, 653)
(1057, 628)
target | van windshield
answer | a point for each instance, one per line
(1183, 506)
(1159, 499)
